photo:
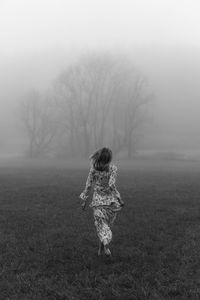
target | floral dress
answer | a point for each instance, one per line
(105, 202)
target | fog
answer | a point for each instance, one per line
(40, 39)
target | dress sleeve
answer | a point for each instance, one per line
(112, 181)
(89, 183)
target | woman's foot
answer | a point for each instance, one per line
(107, 251)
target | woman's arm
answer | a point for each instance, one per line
(89, 183)
(112, 182)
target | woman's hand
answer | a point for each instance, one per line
(83, 205)
(82, 196)
(121, 202)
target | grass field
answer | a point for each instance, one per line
(48, 246)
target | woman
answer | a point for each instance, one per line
(106, 200)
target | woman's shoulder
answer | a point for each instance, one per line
(92, 169)
(112, 169)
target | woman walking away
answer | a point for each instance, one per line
(106, 201)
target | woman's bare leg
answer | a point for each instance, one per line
(101, 247)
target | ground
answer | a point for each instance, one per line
(48, 246)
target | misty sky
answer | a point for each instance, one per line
(39, 37)
(33, 25)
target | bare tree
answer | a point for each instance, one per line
(85, 93)
(102, 99)
(39, 124)
(130, 108)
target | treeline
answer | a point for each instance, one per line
(100, 100)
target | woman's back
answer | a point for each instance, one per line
(105, 190)
(101, 179)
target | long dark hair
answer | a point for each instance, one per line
(101, 159)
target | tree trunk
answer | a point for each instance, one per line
(31, 147)
(129, 145)
(87, 142)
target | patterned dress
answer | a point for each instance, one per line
(105, 202)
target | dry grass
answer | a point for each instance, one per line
(48, 246)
